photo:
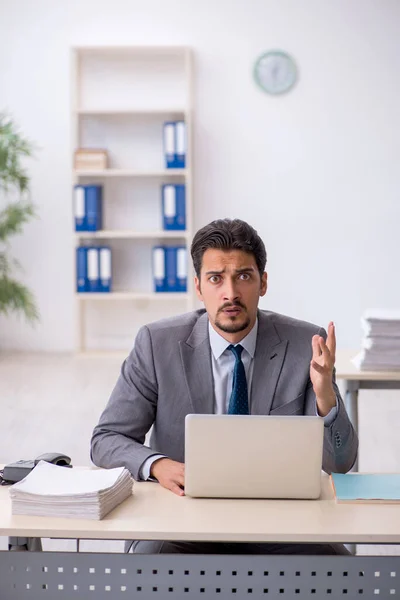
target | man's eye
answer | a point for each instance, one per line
(214, 278)
(244, 276)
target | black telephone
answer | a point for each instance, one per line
(16, 471)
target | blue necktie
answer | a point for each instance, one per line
(238, 402)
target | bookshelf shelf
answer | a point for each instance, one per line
(132, 296)
(131, 234)
(121, 97)
(87, 112)
(166, 173)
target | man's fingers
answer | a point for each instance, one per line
(331, 339)
(315, 347)
(327, 353)
(177, 490)
(180, 480)
(324, 349)
(317, 367)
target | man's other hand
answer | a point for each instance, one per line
(170, 474)
(321, 370)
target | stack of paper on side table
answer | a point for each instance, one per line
(381, 343)
(54, 491)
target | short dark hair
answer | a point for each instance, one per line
(228, 234)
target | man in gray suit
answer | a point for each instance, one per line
(185, 365)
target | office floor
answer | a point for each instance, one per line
(51, 403)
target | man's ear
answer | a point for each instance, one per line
(198, 288)
(264, 284)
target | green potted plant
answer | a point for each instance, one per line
(16, 209)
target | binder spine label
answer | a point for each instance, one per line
(79, 208)
(170, 201)
(180, 138)
(105, 269)
(93, 269)
(169, 145)
(181, 269)
(159, 269)
(180, 144)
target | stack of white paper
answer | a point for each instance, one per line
(53, 491)
(381, 342)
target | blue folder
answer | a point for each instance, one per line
(175, 144)
(80, 208)
(105, 269)
(174, 207)
(170, 269)
(81, 269)
(367, 487)
(93, 269)
(88, 207)
(93, 201)
(180, 144)
(158, 264)
(181, 269)
(169, 145)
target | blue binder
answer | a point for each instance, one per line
(105, 269)
(88, 201)
(174, 207)
(181, 269)
(180, 144)
(170, 269)
(79, 208)
(93, 270)
(169, 145)
(158, 263)
(93, 204)
(81, 269)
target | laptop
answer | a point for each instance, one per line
(251, 456)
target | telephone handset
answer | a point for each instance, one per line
(16, 471)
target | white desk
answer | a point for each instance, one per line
(355, 380)
(155, 513)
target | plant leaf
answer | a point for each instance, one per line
(15, 297)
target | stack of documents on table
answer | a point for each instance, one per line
(366, 487)
(381, 342)
(53, 491)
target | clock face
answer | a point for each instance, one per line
(275, 72)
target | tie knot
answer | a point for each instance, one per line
(237, 350)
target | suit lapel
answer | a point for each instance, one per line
(268, 360)
(197, 367)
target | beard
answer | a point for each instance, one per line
(233, 327)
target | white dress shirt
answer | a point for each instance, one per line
(223, 363)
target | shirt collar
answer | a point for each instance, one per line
(219, 344)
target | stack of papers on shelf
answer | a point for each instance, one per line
(53, 491)
(381, 343)
(366, 487)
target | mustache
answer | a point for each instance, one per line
(231, 305)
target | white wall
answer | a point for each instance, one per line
(316, 171)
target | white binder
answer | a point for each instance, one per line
(93, 269)
(180, 138)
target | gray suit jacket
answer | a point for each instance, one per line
(168, 375)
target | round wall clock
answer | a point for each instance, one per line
(275, 72)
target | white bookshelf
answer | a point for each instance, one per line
(121, 97)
